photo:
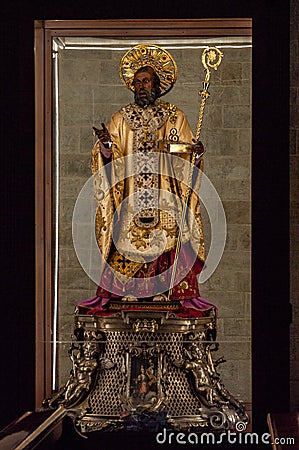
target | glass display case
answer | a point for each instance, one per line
(78, 87)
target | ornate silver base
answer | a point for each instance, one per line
(146, 370)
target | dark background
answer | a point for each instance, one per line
(270, 187)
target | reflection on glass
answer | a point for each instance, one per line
(87, 91)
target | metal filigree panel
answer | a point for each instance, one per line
(147, 363)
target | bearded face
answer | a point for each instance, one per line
(146, 87)
(144, 97)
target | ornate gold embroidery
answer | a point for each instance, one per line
(184, 285)
(141, 238)
(100, 223)
(145, 123)
(123, 265)
(173, 113)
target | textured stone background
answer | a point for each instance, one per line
(90, 90)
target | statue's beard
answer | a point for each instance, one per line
(144, 98)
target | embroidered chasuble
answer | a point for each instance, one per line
(138, 220)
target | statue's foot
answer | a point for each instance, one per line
(160, 298)
(129, 298)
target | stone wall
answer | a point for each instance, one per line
(294, 203)
(89, 92)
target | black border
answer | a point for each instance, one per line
(270, 181)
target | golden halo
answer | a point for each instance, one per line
(148, 55)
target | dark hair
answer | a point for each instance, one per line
(156, 79)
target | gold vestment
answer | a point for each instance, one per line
(135, 132)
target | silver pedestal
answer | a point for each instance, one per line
(146, 370)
